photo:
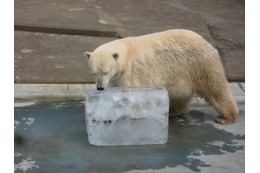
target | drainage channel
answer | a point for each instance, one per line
(67, 31)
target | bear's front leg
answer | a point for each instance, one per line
(178, 105)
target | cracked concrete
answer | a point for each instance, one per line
(221, 23)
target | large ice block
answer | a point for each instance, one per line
(127, 116)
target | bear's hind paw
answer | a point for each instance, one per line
(223, 120)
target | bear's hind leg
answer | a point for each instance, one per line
(221, 99)
(230, 114)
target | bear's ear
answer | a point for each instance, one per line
(87, 54)
(115, 56)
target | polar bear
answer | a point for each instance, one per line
(180, 60)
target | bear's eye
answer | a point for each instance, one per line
(115, 55)
(105, 73)
(94, 73)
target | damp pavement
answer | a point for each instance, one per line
(50, 136)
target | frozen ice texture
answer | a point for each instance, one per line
(127, 116)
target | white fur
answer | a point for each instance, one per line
(180, 60)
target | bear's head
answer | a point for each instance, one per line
(106, 64)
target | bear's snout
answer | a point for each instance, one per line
(101, 82)
(100, 88)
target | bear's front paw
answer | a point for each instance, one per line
(223, 120)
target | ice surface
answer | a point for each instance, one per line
(127, 116)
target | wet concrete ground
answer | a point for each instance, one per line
(50, 136)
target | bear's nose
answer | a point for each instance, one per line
(100, 88)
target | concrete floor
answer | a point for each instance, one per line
(51, 36)
(50, 136)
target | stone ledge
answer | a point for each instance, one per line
(78, 91)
